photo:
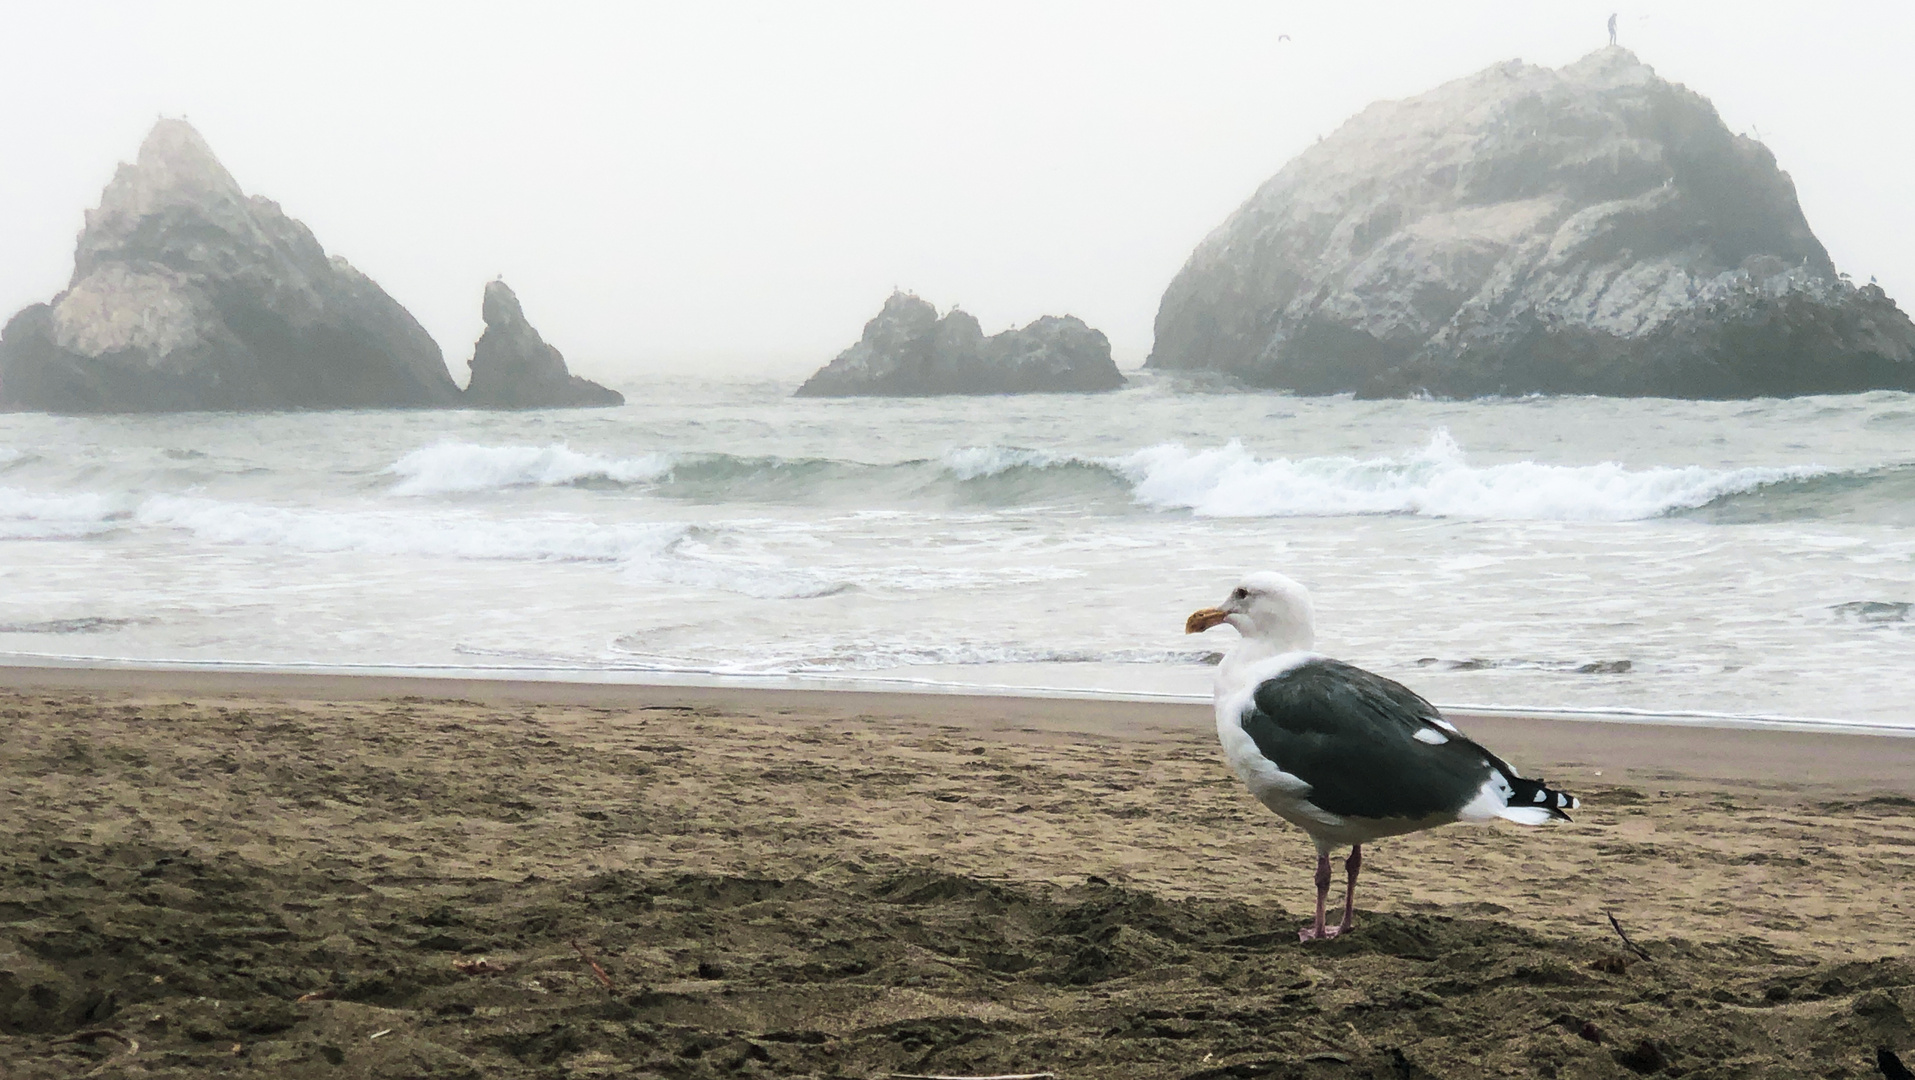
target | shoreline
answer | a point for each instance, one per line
(44, 667)
(1616, 749)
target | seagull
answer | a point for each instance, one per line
(1343, 754)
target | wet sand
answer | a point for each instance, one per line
(787, 883)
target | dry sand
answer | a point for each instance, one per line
(792, 883)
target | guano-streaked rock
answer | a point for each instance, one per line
(909, 351)
(188, 294)
(1588, 230)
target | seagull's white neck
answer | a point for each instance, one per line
(1246, 660)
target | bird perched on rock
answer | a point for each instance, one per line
(1343, 754)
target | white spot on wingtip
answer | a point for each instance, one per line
(1431, 736)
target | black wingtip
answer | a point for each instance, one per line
(1537, 793)
(1891, 1066)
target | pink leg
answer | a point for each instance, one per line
(1319, 931)
(1351, 865)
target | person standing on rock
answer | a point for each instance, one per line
(1612, 28)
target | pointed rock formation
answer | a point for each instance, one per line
(908, 351)
(1589, 230)
(188, 294)
(513, 367)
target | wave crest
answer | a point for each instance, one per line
(1230, 481)
(457, 467)
(980, 462)
(1436, 481)
(27, 515)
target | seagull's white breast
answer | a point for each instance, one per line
(1285, 794)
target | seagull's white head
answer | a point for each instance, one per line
(1267, 608)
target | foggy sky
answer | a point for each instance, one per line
(741, 185)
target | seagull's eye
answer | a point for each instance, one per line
(1238, 595)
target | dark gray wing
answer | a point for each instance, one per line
(1350, 735)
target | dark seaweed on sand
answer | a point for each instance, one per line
(201, 961)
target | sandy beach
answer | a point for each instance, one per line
(226, 874)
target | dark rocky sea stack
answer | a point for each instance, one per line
(188, 294)
(1589, 230)
(513, 367)
(908, 351)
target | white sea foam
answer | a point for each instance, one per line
(918, 577)
(754, 579)
(668, 553)
(888, 655)
(553, 538)
(456, 467)
(27, 515)
(1437, 481)
(879, 657)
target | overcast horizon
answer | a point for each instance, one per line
(741, 185)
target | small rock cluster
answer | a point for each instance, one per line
(909, 351)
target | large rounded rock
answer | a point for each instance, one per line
(908, 351)
(1592, 230)
(188, 294)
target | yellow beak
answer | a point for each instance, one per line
(1204, 619)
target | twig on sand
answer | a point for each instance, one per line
(603, 979)
(1001, 1076)
(132, 1046)
(1633, 947)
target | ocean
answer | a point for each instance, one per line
(1751, 559)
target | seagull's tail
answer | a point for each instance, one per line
(1531, 803)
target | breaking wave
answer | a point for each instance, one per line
(1436, 481)
(1224, 482)
(26, 515)
(453, 468)
(1228, 481)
